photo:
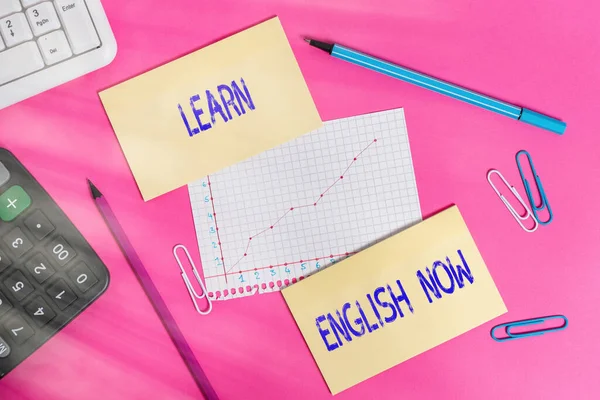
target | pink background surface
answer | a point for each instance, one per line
(543, 54)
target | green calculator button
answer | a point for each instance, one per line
(13, 202)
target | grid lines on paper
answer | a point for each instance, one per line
(284, 214)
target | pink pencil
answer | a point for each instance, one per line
(157, 302)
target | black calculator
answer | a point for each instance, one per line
(48, 272)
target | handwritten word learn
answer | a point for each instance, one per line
(232, 99)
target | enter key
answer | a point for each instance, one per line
(78, 25)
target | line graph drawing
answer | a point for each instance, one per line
(273, 225)
(303, 206)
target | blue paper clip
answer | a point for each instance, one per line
(526, 322)
(545, 204)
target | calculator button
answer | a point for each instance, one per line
(39, 311)
(54, 47)
(4, 261)
(13, 202)
(17, 242)
(18, 285)
(4, 305)
(40, 268)
(18, 330)
(15, 29)
(78, 25)
(43, 18)
(39, 225)
(82, 277)
(4, 174)
(60, 251)
(4, 348)
(61, 294)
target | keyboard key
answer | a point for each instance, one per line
(4, 348)
(17, 242)
(4, 261)
(2, 46)
(60, 250)
(27, 3)
(18, 330)
(40, 268)
(9, 6)
(42, 18)
(18, 285)
(20, 61)
(4, 305)
(82, 277)
(54, 47)
(13, 202)
(61, 294)
(15, 29)
(78, 25)
(39, 311)
(39, 225)
(4, 174)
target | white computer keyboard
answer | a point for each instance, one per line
(46, 43)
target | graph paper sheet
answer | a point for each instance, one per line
(294, 210)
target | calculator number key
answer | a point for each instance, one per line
(60, 251)
(4, 173)
(18, 330)
(4, 261)
(17, 242)
(4, 305)
(40, 268)
(40, 312)
(4, 349)
(39, 225)
(18, 285)
(82, 277)
(61, 294)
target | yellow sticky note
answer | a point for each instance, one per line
(210, 109)
(394, 300)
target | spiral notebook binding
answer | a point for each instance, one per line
(241, 291)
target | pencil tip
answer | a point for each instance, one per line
(307, 40)
(95, 192)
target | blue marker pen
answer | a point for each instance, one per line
(439, 86)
